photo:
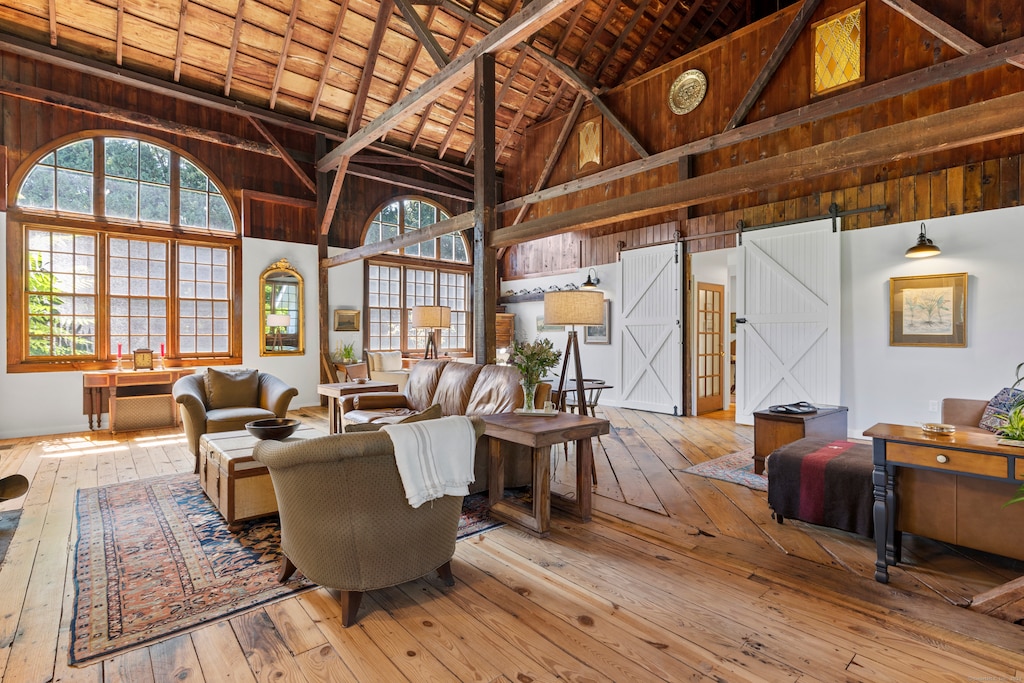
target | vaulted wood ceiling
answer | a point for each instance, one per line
(343, 63)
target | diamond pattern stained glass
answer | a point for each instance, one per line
(837, 51)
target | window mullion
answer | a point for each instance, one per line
(175, 189)
(98, 178)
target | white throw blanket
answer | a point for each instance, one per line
(434, 457)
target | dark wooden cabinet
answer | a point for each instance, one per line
(772, 430)
(504, 330)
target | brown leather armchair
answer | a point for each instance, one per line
(345, 519)
(224, 400)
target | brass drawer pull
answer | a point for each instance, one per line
(943, 459)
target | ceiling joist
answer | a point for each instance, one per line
(427, 40)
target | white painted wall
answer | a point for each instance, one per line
(599, 361)
(345, 290)
(712, 267)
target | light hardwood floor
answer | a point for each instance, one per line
(677, 578)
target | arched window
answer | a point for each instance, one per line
(435, 272)
(99, 278)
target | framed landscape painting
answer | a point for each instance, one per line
(928, 310)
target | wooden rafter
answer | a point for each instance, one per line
(969, 125)
(233, 52)
(411, 183)
(334, 195)
(665, 12)
(602, 22)
(460, 222)
(288, 29)
(690, 15)
(570, 26)
(521, 111)
(52, 11)
(626, 31)
(425, 116)
(706, 26)
(179, 47)
(793, 31)
(285, 155)
(871, 94)
(119, 34)
(422, 30)
(355, 118)
(451, 178)
(411, 66)
(456, 119)
(538, 13)
(555, 99)
(328, 58)
(512, 73)
(959, 41)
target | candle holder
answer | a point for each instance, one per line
(120, 365)
(159, 365)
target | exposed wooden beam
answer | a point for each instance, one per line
(512, 73)
(454, 126)
(485, 218)
(134, 118)
(968, 125)
(959, 41)
(288, 29)
(593, 35)
(52, 11)
(690, 15)
(870, 94)
(706, 26)
(575, 80)
(355, 118)
(328, 58)
(425, 116)
(793, 31)
(463, 221)
(625, 33)
(233, 52)
(119, 34)
(411, 183)
(510, 132)
(665, 12)
(538, 13)
(285, 155)
(556, 151)
(453, 179)
(182, 17)
(332, 198)
(427, 40)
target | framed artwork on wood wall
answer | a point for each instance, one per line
(928, 310)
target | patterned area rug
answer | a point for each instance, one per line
(154, 558)
(737, 468)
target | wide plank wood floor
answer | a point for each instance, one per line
(677, 578)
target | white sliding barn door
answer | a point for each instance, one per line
(649, 330)
(788, 288)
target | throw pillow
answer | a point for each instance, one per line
(390, 361)
(232, 388)
(999, 406)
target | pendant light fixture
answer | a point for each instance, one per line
(924, 247)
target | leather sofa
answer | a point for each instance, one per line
(459, 389)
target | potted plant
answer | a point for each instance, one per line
(1013, 431)
(533, 360)
(344, 353)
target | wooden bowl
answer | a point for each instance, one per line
(274, 428)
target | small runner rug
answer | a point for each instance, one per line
(737, 468)
(154, 558)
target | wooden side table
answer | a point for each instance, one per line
(540, 433)
(335, 391)
(772, 430)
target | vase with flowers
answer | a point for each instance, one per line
(533, 360)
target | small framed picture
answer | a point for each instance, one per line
(346, 320)
(928, 310)
(600, 334)
(543, 327)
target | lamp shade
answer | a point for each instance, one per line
(924, 247)
(432, 317)
(574, 307)
(278, 320)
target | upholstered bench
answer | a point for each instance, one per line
(823, 482)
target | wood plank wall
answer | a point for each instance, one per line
(973, 178)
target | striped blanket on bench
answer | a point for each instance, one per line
(823, 482)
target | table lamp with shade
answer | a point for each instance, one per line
(278, 322)
(573, 307)
(435, 319)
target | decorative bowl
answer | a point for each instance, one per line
(938, 428)
(275, 428)
(360, 380)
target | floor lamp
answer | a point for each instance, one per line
(278, 322)
(573, 307)
(435, 319)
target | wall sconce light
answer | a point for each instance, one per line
(924, 247)
(591, 283)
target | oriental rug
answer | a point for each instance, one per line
(737, 468)
(154, 558)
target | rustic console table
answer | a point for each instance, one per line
(135, 399)
(971, 476)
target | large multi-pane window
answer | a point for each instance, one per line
(95, 287)
(435, 272)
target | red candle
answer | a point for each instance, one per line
(118, 350)
(161, 350)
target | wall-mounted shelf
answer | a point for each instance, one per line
(521, 298)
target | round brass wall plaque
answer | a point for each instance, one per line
(687, 91)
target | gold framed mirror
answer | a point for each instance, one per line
(282, 320)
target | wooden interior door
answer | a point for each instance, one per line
(650, 346)
(710, 347)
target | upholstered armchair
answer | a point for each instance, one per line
(345, 520)
(387, 366)
(224, 400)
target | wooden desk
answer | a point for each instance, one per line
(967, 464)
(335, 391)
(772, 430)
(143, 398)
(540, 433)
